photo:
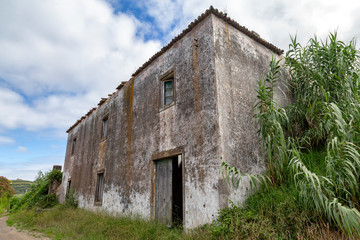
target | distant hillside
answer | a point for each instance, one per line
(21, 186)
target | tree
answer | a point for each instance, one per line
(6, 190)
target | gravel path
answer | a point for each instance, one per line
(10, 233)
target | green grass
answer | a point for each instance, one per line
(70, 223)
(271, 213)
(276, 212)
(315, 161)
(21, 186)
(4, 204)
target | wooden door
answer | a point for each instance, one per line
(163, 197)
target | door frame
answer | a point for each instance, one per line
(161, 156)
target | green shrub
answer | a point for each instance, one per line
(38, 195)
(324, 79)
(6, 192)
(70, 200)
(269, 214)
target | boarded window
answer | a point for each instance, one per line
(99, 188)
(104, 127)
(73, 146)
(168, 91)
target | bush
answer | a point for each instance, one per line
(70, 200)
(268, 214)
(6, 190)
(38, 195)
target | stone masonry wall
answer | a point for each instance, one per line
(240, 62)
(139, 131)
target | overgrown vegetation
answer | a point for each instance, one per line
(325, 114)
(6, 192)
(267, 215)
(275, 212)
(38, 195)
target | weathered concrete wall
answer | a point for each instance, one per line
(240, 62)
(139, 131)
(216, 69)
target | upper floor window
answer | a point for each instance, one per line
(168, 90)
(73, 146)
(104, 127)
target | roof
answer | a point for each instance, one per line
(224, 17)
(211, 10)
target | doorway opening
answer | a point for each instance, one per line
(169, 191)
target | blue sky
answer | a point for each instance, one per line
(59, 57)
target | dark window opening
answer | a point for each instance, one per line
(168, 91)
(169, 191)
(99, 188)
(68, 188)
(73, 146)
(104, 127)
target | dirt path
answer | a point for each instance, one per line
(10, 233)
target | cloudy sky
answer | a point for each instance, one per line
(59, 57)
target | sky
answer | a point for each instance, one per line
(59, 57)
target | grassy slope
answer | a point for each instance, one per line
(21, 186)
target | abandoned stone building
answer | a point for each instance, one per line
(154, 147)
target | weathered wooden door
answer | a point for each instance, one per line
(163, 186)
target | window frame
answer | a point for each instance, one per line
(99, 188)
(166, 89)
(73, 146)
(104, 127)
(68, 187)
(168, 76)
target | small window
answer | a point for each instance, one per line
(104, 127)
(68, 188)
(99, 188)
(73, 146)
(168, 90)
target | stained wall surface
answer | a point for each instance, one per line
(140, 131)
(240, 62)
(216, 69)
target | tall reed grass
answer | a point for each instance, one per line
(324, 80)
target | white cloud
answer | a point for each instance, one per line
(22, 149)
(273, 20)
(6, 140)
(57, 58)
(29, 169)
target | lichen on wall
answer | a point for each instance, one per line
(215, 68)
